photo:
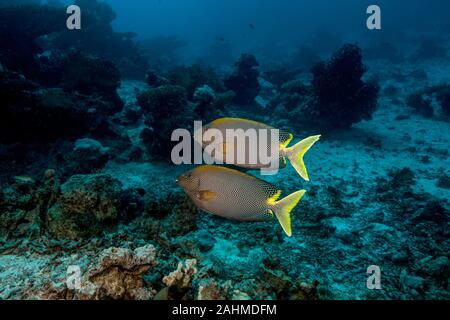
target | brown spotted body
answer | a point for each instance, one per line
(238, 196)
(294, 153)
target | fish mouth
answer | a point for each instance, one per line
(180, 179)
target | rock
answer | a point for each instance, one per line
(304, 291)
(194, 76)
(20, 223)
(182, 220)
(86, 206)
(267, 92)
(19, 48)
(340, 227)
(414, 282)
(182, 277)
(443, 181)
(118, 274)
(90, 75)
(89, 146)
(439, 267)
(421, 105)
(432, 211)
(132, 204)
(240, 296)
(88, 156)
(400, 258)
(155, 102)
(204, 95)
(205, 241)
(209, 105)
(276, 279)
(209, 291)
(29, 114)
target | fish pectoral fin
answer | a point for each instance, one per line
(206, 195)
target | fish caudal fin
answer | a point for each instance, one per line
(295, 155)
(283, 208)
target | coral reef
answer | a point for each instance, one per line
(21, 26)
(420, 104)
(443, 97)
(209, 104)
(181, 279)
(423, 100)
(86, 206)
(87, 156)
(343, 98)
(118, 274)
(85, 180)
(77, 76)
(244, 80)
(98, 38)
(337, 97)
(166, 108)
(193, 77)
(44, 114)
(280, 76)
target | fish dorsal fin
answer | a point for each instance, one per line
(206, 195)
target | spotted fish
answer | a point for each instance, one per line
(238, 196)
(295, 153)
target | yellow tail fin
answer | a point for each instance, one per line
(295, 155)
(283, 208)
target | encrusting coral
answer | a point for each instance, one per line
(118, 274)
(166, 108)
(87, 204)
(180, 280)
